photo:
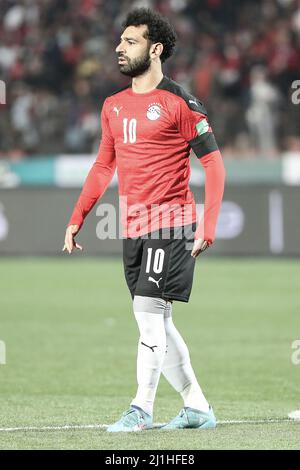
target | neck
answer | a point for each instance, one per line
(148, 81)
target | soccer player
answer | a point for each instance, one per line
(148, 130)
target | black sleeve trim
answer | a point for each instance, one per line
(204, 144)
(173, 87)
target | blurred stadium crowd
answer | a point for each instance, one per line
(57, 58)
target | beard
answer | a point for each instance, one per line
(135, 67)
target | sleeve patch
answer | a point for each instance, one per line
(202, 126)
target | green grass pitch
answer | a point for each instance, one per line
(71, 339)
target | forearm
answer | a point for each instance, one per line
(214, 189)
(94, 187)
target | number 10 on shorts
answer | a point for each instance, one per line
(158, 260)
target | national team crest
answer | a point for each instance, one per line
(154, 111)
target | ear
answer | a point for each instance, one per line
(156, 50)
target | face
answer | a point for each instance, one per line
(134, 51)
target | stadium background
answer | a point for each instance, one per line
(57, 60)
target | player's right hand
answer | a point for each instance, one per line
(200, 245)
(70, 243)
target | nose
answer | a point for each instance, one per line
(120, 48)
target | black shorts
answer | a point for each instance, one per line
(156, 266)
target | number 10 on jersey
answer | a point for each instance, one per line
(129, 130)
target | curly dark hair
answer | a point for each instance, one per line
(159, 29)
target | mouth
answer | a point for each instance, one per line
(122, 60)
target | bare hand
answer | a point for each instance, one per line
(70, 243)
(200, 245)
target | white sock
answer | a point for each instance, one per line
(177, 367)
(149, 314)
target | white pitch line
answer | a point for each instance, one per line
(67, 427)
(73, 427)
(256, 421)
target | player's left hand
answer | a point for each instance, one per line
(200, 245)
(70, 243)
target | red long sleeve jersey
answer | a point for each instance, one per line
(148, 138)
